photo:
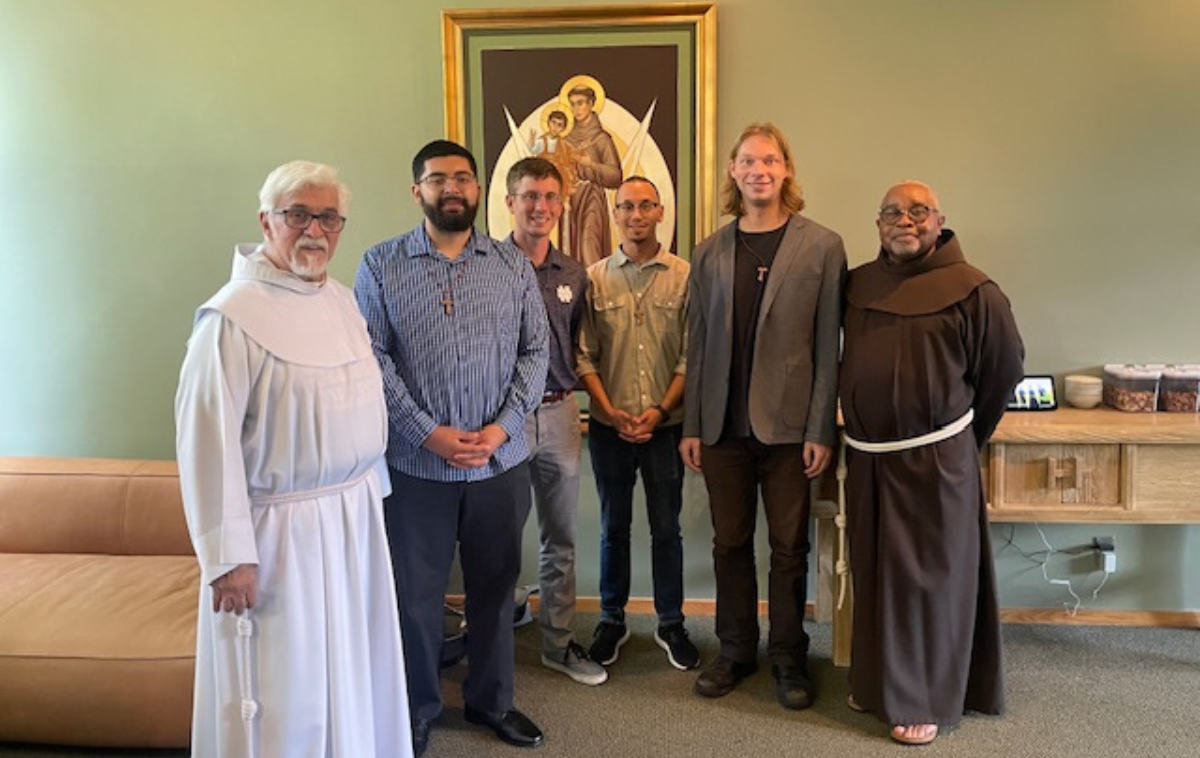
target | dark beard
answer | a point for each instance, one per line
(450, 222)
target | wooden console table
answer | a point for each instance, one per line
(1072, 466)
(1095, 466)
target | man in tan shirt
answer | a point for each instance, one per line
(631, 360)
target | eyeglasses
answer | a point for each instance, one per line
(918, 213)
(300, 218)
(646, 206)
(439, 181)
(531, 198)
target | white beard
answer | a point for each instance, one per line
(309, 259)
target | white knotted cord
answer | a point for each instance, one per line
(842, 566)
(245, 629)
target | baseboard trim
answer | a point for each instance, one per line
(1086, 617)
(1173, 619)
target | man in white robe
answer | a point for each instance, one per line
(281, 432)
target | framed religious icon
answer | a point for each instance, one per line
(604, 93)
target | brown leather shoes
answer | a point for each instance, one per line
(721, 676)
(793, 689)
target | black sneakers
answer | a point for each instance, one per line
(607, 641)
(682, 654)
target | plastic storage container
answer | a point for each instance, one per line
(1179, 389)
(1132, 387)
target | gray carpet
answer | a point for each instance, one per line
(1091, 692)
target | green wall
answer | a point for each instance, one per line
(134, 135)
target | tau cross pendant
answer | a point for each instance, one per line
(447, 305)
(637, 316)
(762, 273)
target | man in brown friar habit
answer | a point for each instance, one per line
(931, 357)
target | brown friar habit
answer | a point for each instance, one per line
(925, 341)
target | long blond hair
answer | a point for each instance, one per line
(790, 196)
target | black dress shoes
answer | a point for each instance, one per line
(793, 687)
(420, 735)
(511, 726)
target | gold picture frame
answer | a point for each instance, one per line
(644, 84)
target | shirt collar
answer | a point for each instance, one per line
(476, 243)
(554, 257)
(619, 258)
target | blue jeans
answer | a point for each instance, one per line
(616, 464)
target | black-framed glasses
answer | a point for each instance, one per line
(918, 213)
(439, 181)
(646, 206)
(531, 198)
(300, 218)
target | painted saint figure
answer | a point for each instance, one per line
(597, 168)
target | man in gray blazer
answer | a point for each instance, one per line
(760, 402)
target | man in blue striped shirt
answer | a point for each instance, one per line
(459, 328)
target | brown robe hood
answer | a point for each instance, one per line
(915, 288)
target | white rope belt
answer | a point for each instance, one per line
(842, 565)
(937, 435)
(287, 497)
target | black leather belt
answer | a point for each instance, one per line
(553, 397)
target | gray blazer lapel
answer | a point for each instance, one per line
(725, 259)
(789, 251)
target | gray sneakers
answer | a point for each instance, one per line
(575, 663)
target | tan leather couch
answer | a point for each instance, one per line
(98, 593)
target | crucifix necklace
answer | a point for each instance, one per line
(639, 312)
(763, 266)
(452, 280)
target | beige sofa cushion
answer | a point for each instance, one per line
(98, 593)
(116, 507)
(97, 650)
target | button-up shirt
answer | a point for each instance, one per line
(634, 333)
(563, 281)
(462, 343)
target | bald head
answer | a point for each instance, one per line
(903, 237)
(914, 187)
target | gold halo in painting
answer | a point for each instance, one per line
(586, 81)
(566, 111)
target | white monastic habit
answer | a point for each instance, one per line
(281, 431)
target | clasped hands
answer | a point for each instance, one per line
(466, 450)
(635, 429)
